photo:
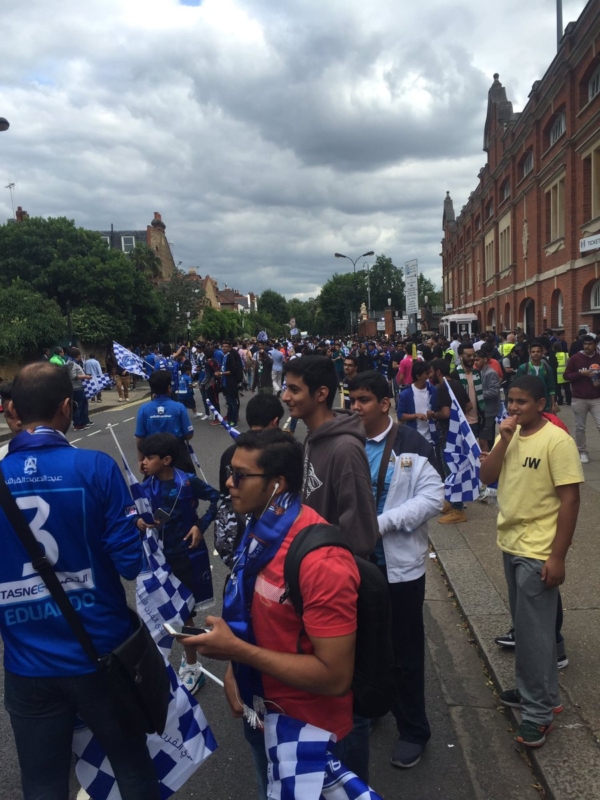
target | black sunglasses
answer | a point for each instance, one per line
(237, 476)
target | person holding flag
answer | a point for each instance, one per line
(260, 635)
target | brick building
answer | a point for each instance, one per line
(512, 256)
(154, 237)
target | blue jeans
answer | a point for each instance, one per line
(42, 714)
(352, 751)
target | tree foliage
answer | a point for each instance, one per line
(386, 282)
(217, 325)
(28, 323)
(304, 312)
(184, 299)
(275, 305)
(339, 297)
(427, 289)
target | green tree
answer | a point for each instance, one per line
(28, 323)
(216, 324)
(145, 260)
(340, 296)
(257, 321)
(275, 305)
(92, 325)
(184, 299)
(75, 268)
(427, 289)
(386, 282)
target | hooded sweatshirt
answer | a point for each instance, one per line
(337, 480)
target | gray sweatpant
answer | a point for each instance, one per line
(533, 609)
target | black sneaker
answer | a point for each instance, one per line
(508, 640)
(406, 754)
(512, 699)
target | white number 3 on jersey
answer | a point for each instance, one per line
(48, 542)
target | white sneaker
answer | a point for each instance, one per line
(193, 678)
(198, 416)
(183, 665)
(584, 458)
(483, 496)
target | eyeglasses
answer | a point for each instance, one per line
(237, 476)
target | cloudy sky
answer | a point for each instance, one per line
(268, 133)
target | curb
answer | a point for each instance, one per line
(568, 765)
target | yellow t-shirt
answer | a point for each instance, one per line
(533, 467)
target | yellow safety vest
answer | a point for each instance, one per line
(505, 348)
(561, 360)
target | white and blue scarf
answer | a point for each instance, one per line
(259, 545)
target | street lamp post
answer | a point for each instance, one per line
(364, 255)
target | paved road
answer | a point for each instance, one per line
(471, 755)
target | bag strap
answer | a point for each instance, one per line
(308, 539)
(43, 567)
(387, 451)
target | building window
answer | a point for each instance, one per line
(489, 261)
(489, 209)
(469, 276)
(591, 183)
(559, 126)
(127, 243)
(555, 210)
(595, 297)
(504, 244)
(594, 84)
(528, 163)
(106, 240)
(505, 190)
(559, 310)
(478, 222)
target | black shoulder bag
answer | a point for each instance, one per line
(135, 671)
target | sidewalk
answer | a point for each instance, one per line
(110, 399)
(568, 765)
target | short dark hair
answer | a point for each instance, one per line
(418, 368)
(316, 371)
(166, 350)
(531, 385)
(464, 346)
(539, 343)
(354, 360)
(280, 454)
(372, 381)
(39, 389)
(262, 409)
(589, 338)
(160, 380)
(161, 445)
(5, 391)
(441, 364)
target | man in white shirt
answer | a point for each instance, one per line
(417, 402)
(278, 361)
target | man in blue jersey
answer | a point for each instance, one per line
(162, 414)
(79, 509)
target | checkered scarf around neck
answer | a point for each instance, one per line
(259, 545)
(476, 383)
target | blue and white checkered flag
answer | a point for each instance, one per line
(186, 742)
(129, 361)
(233, 432)
(160, 596)
(302, 765)
(462, 456)
(95, 384)
(502, 414)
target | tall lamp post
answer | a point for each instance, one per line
(364, 255)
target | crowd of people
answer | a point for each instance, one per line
(372, 464)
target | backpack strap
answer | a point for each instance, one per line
(308, 539)
(387, 451)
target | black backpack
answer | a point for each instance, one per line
(373, 684)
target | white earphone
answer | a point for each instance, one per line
(276, 486)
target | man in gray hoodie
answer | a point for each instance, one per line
(337, 479)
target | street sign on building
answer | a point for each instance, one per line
(591, 243)
(401, 325)
(411, 286)
(381, 325)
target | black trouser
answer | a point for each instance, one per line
(232, 400)
(409, 648)
(559, 393)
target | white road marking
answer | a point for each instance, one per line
(128, 419)
(94, 433)
(75, 440)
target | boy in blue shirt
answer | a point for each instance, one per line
(174, 496)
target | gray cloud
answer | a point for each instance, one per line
(269, 135)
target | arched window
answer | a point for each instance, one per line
(595, 297)
(559, 126)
